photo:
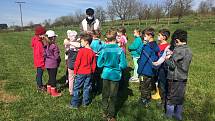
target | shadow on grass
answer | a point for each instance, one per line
(124, 91)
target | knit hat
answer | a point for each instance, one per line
(72, 35)
(40, 30)
(90, 11)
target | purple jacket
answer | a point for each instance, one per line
(52, 56)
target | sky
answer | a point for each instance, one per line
(39, 10)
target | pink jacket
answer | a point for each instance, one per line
(38, 52)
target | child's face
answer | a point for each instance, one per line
(147, 37)
(161, 37)
(136, 34)
(119, 33)
(83, 43)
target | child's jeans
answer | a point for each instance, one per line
(109, 91)
(135, 66)
(81, 81)
(39, 77)
(52, 76)
(71, 80)
(145, 87)
(162, 83)
(176, 91)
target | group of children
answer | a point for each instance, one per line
(88, 58)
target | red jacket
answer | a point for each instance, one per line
(85, 62)
(38, 52)
(162, 48)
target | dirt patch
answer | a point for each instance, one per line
(6, 96)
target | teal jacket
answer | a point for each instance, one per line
(112, 59)
(97, 45)
(133, 48)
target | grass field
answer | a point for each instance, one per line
(20, 101)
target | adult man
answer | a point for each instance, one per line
(90, 23)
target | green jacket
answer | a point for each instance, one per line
(135, 46)
(112, 59)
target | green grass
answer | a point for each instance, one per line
(16, 69)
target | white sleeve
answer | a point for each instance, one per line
(162, 58)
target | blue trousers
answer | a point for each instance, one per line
(82, 81)
(39, 77)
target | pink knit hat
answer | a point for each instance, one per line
(72, 35)
(40, 30)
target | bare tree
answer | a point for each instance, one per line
(157, 12)
(47, 23)
(100, 14)
(111, 15)
(79, 16)
(181, 7)
(124, 9)
(168, 5)
(206, 7)
(141, 8)
(31, 24)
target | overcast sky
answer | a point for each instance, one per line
(39, 10)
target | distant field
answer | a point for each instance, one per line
(20, 101)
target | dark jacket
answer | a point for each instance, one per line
(71, 58)
(179, 63)
(148, 55)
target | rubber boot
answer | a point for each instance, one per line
(178, 112)
(49, 89)
(169, 111)
(156, 96)
(54, 92)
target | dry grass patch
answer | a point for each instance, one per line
(6, 97)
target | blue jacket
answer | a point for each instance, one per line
(112, 59)
(133, 48)
(148, 55)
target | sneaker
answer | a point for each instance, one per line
(134, 79)
(111, 119)
(72, 107)
(41, 89)
(144, 102)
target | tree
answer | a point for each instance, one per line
(168, 5)
(157, 12)
(31, 24)
(124, 9)
(47, 23)
(141, 8)
(180, 8)
(100, 14)
(111, 15)
(79, 16)
(206, 7)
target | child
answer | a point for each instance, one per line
(112, 59)
(67, 46)
(85, 65)
(38, 50)
(162, 70)
(145, 70)
(97, 45)
(73, 44)
(52, 62)
(121, 38)
(133, 48)
(179, 64)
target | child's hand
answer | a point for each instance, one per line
(168, 57)
(155, 63)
